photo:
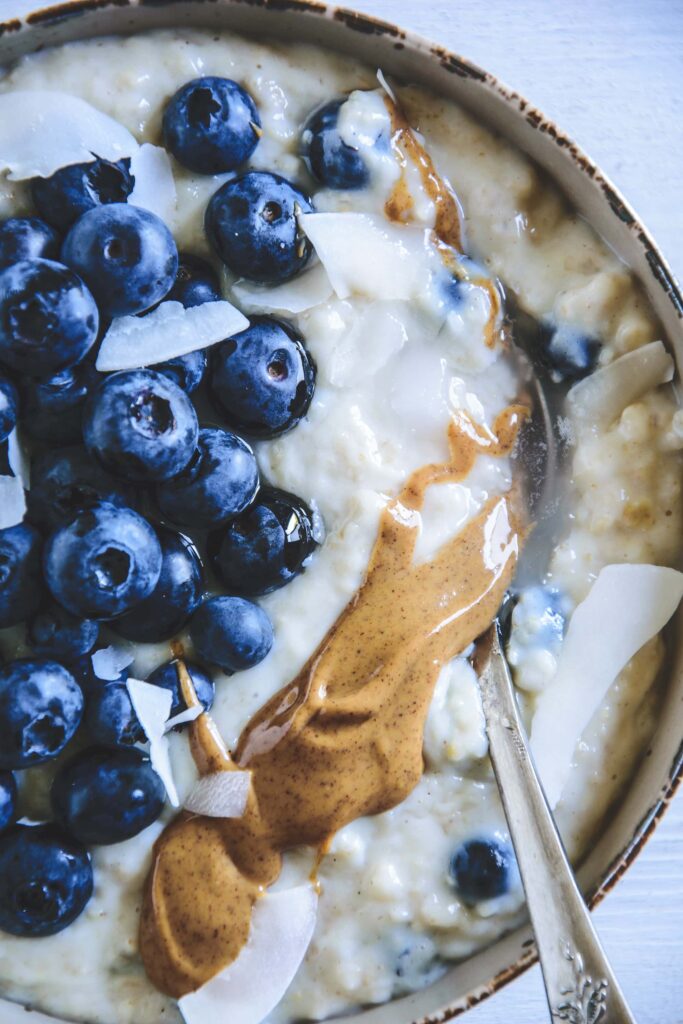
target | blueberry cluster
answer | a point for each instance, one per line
(131, 494)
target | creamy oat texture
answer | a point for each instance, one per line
(387, 383)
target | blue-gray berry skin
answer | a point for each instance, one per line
(220, 481)
(110, 718)
(166, 675)
(56, 633)
(8, 801)
(196, 281)
(481, 869)
(67, 481)
(262, 380)
(22, 589)
(26, 238)
(41, 706)
(48, 317)
(9, 407)
(71, 191)
(125, 254)
(330, 160)
(231, 632)
(102, 563)
(177, 593)
(52, 408)
(252, 224)
(211, 125)
(141, 426)
(46, 880)
(104, 796)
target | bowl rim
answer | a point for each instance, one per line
(658, 266)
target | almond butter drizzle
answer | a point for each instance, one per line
(344, 738)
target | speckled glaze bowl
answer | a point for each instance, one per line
(409, 57)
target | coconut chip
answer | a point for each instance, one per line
(381, 78)
(109, 662)
(168, 331)
(296, 296)
(220, 795)
(599, 399)
(188, 715)
(631, 604)
(12, 501)
(42, 130)
(282, 926)
(154, 188)
(152, 705)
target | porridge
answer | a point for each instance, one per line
(347, 456)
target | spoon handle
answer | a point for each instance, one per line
(580, 984)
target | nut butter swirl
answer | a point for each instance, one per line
(344, 738)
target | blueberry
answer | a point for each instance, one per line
(127, 256)
(46, 880)
(481, 868)
(27, 238)
(52, 409)
(176, 595)
(71, 191)
(196, 281)
(167, 676)
(141, 425)
(8, 800)
(9, 403)
(48, 318)
(571, 353)
(41, 706)
(104, 562)
(219, 482)
(211, 125)
(329, 159)
(56, 633)
(68, 480)
(21, 574)
(231, 632)
(251, 222)
(262, 379)
(105, 796)
(110, 717)
(186, 371)
(265, 547)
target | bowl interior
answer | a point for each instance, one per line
(410, 58)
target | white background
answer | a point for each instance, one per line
(610, 72)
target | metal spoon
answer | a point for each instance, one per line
(580, 984)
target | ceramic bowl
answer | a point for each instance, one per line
(411, 58)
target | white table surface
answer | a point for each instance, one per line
(610, 72)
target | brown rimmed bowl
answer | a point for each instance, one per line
(411, 58)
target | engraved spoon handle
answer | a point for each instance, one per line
(580, 984)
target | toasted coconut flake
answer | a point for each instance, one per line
(188, 715)
(12, 501)
(42, 130)
(220, 795)
(296, 296)
(601, 398)
(154, 183)
(152, 705)
(381, 78)
(282, 927)
(109, 662)
(631, 604)
(168, 331)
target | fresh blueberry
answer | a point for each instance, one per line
(105, 796)
(21, 574)
(167, 676)
(52, 409)
(266, 546)
(231, 632)
(27, 238)
(127, 256)
(196, 281)
(220, 481)
(211, 125)
(262, 379)
(8, 800)
(41, 706)
(9, 403)
(481, 869)
(103, 563)
(141, 425)
(56, 633)
(46, 880)
(252, 224)
(48, 318)
(329, 159)
(176, 595)
(110, 717)
(571, 353)
(71, 191)
(68, 480)
(186, 371)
